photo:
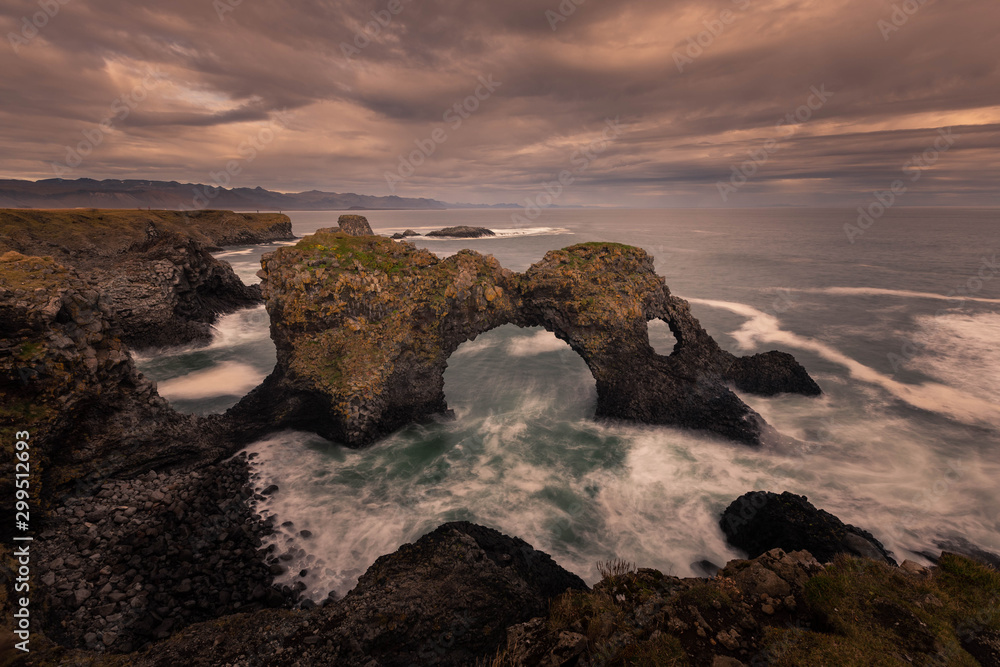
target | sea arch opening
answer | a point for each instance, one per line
(515, 371)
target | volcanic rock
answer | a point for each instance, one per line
(462, 232)
(446, 599)
(759, 521)
(355, 225)
(164, 286)
(364, 328)
(66, 375)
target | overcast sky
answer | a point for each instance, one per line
(333, 99)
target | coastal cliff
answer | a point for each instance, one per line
(164, 286)
(66, 376)
(364, 327)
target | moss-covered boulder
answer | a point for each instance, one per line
(364, 327)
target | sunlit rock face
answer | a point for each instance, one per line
(364, 327)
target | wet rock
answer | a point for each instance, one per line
(772, 373)
(759, 521)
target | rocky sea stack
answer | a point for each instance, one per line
(462, 232)
(364, 327)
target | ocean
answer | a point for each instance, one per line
(899, 327)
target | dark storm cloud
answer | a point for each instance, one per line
(355, 96)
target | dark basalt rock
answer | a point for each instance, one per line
(462, 232)
(169, 290)
(759, 521)
(189, 535)
(165, 288)
(364, 328)
(355, 225)
(66, 375)
(446, 599)
(772, 373)
(410, 232)
(959, 545)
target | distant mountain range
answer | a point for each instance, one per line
(171, 195)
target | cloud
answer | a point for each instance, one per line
(220, 81)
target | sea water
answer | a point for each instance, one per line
(900, 328)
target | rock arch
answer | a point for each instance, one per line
(364, 327)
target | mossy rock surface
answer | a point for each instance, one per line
(364, 327)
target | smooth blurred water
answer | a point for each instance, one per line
(903, 443)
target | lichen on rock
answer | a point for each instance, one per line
(364, 327)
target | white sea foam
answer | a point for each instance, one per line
(762, 328)
(233, 253)
(247, 326)
(226, 379)
(961, 350)
(955, 299)
(538, 343)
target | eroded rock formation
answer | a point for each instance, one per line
(364, 327)
(164, 286)
(67, 377)
(462, 232)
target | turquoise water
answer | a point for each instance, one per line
(903, 443)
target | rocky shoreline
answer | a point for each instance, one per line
(164, 286)
(148, 551)
(169, 567)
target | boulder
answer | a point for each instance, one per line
(355, 225)
(772, 373)
(760, 521)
